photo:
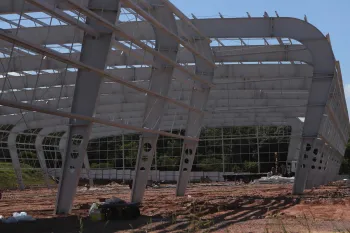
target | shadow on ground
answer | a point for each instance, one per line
(239, 210)
(72, 224)
(225, 214)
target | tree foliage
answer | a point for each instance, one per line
(345, 166)
(238, 144)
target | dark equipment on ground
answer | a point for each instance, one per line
(245, 177)
(117, 209)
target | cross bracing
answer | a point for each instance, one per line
(101, 68)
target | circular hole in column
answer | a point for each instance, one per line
(308, 147)
(321, 161)
(77, 139)
(319, 168)
(74, 154)
(314, 159)
(303, 166)
(312, 167)
(315, 151)
(188, 151)
(142, 169)
(305, 156)
(185, 169)
(147, 147)
(186, 160)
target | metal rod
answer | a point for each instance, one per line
(29, 107)
(55, 55)
(159, 25)
(183, 17)
(63, 16)
(134, 53)
(117, 30)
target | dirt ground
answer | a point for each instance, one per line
(215, 207)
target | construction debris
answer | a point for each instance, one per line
(275, 180)
(114, 209)
(17, 217)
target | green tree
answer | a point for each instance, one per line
(250, 167)
(29, 158)
(210, 164)
(345, 166)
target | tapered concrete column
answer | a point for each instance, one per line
(199, 99)
(315, 171)
(160, 82)
(11, 142)
(94, 52)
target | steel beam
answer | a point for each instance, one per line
(87, 68)
(56, 12)
(126, 112)
(17, 6)
(76, 117)
(172, 34)
(131, 57)
(244, 76)
(121, 33)
(94, 53)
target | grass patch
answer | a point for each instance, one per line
(31, 176)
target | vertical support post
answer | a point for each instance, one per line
(88, 170)
(258, 149)
(11, 142)
(199, 98)
(155, 165)
(323, 74)
(223, 150)
(295, 140)
(160, 83)
(94, 53)
(123, 154)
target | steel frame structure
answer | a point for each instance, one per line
(159, 73)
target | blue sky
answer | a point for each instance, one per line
(330, 16)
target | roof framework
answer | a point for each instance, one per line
(97, 68)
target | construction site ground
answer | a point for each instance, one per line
(213, 207)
